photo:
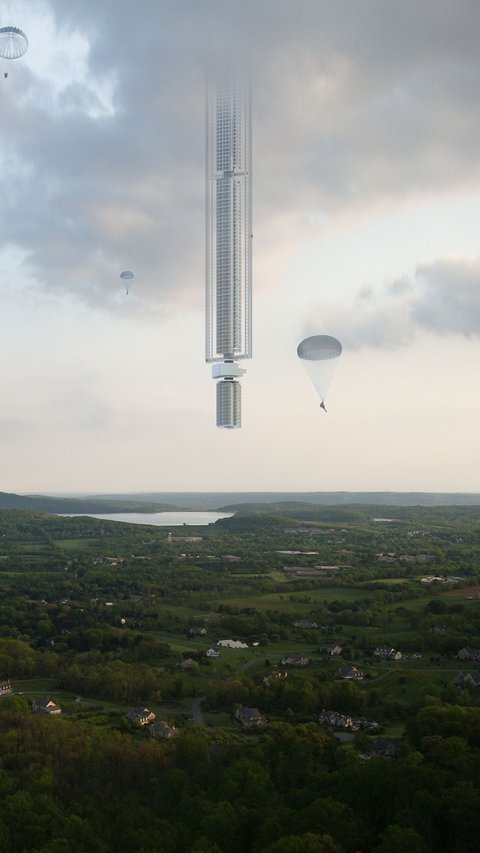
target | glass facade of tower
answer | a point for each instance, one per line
(228, 221)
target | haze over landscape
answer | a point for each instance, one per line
(366, 183)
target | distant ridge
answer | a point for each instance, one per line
(219, 500)
(86, 505)
(227, 501)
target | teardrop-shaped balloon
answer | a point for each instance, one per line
(127, 276)
(319, 355)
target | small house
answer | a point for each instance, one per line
(467, 679)
(213, 653)
(350, 673)
(140, 716)
(161, 730)
(275, 675)
(332, 650)
(296, 661)
(249, 717)
(469, 653)
(472, 679)
(387, 652)
(46, 706)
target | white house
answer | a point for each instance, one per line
(213, 653)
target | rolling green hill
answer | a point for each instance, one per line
(44, 503)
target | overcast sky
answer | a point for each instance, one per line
(366, 212)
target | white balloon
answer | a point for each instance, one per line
(13, 43)
(319, 355)
(127, 276)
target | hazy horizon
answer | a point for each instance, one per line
(214, 500)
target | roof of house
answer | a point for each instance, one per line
(162, 728)
(473, 676)
(247, 714)
(139, 712)
(43, 703)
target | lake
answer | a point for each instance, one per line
(158, 519)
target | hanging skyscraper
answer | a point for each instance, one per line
(228, 321)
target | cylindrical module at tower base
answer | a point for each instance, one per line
(229, 404)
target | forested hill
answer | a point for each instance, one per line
(257, 517)
(284, 501)
(43, 503)
(293, 512)
(301, 511)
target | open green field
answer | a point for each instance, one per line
(218, 720)
(32, 687)
(5, 575)
(411, 685)
(34, 547)
(295, 601)
(75, 544)
(418, 604)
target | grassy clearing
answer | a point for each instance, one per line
(296, 601)
(34, 685)
(75, 544)
(418, 604)
(185, 612)
(34, 548)
(411, 686)
(218, 719)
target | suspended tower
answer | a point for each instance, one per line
(228, 321)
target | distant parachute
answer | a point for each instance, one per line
(319, 355)
(126, 276)
(13, 43)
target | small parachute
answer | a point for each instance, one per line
(13, 43)
(319, 355)
(126, 276)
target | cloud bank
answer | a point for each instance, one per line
(102, 154)
(442, 298)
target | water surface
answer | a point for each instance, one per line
(159, 519)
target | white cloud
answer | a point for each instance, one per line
(442, 297)
(103, 150)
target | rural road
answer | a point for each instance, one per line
(197, 711)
